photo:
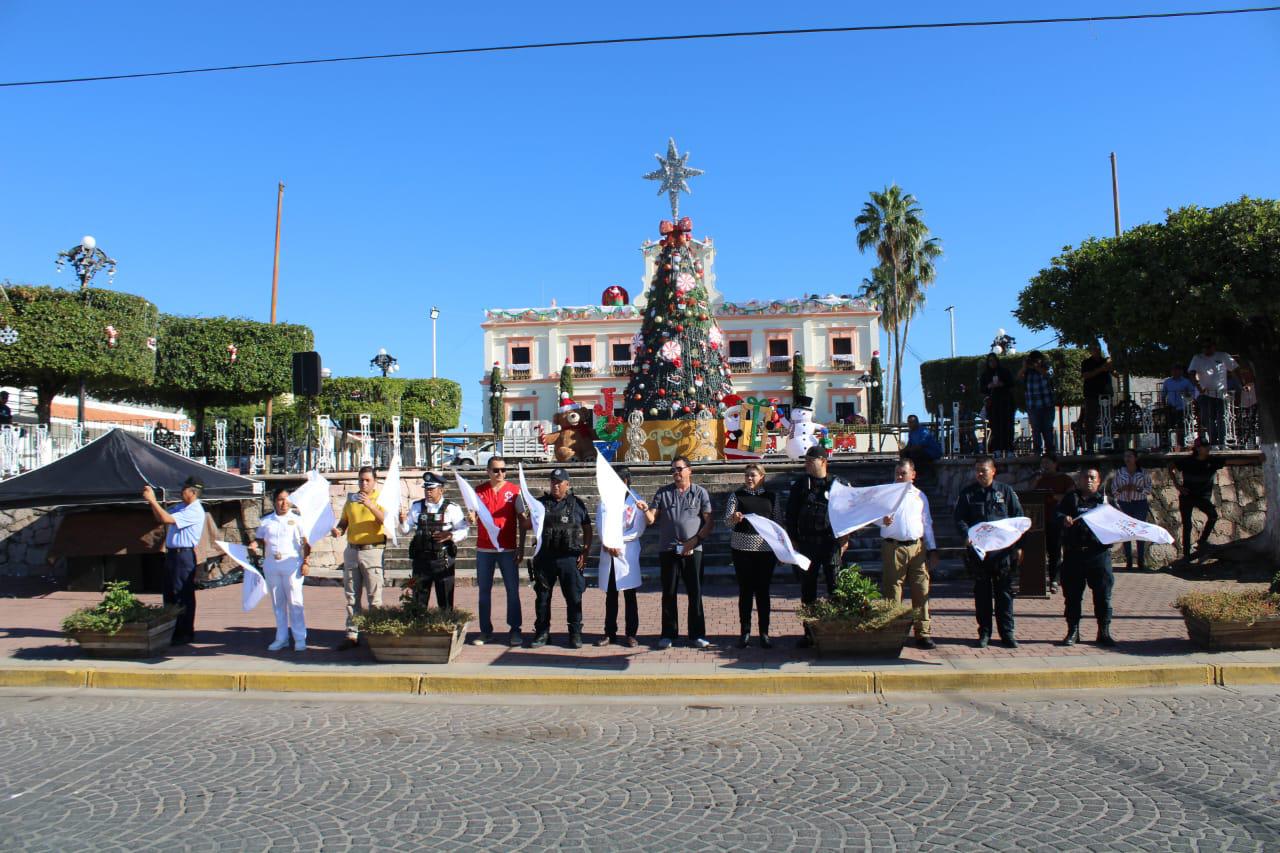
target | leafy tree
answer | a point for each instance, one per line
(955, 380)
(1154, 290)
(194, 368)
(435, 401)
(497, 411)
(892, 224)
(799, 387)
(63, 338)
(875, 415)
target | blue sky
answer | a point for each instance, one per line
(509, 179)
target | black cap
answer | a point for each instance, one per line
(560, 474)
(193, 482)
(431, 480)
(817, 452)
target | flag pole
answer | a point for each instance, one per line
(275, 276)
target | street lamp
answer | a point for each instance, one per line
(384, 361)
(867, 381)
(1003, 344)
(87, 260)
(435, 315)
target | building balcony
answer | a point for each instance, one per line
(521, 371)
(583, 369)
(779, 364)
(842, 362)
(620, 368)
(739, 363)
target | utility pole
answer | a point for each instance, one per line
(951, 310)
(1115, 192)
(275, 276)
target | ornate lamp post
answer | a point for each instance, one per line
(384, 361)
(867, 381)
(87, 260)
(1003, 344)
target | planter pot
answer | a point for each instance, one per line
(133, 640)
(1233, 636)
(438, 647)
(886, 642)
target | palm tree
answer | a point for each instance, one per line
(892, 224)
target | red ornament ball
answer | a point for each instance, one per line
(662, 392)
(635, 396)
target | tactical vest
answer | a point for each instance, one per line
(748, 504)
(424, 549)
(813, 523)
(562, 526)
(1079, 538)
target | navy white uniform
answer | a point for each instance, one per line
(284, 546)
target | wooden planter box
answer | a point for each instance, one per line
(886, 642)
(1233, 636)
(133, 640)
(440, 647)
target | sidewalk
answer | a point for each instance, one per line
(231, 645)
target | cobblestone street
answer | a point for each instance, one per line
(1192, 770)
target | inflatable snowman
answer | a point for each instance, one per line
(804, 432)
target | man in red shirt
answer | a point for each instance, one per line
(501, 499)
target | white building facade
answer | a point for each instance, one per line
(836, 335)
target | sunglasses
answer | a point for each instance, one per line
(497, 470)
(678, 470)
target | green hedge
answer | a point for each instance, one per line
(347, 397)
(943, 377)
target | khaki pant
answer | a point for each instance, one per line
(361, 569)
(907, 563)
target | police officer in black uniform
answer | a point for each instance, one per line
(1086, 560)
(566, 539)
(809, 527)
(438, 525)
(987, 500)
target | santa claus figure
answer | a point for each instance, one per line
(804, 432)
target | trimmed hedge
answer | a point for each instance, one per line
(347, 397)
(942, 379)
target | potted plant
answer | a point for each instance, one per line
(856, 619)
(1225, 620)
(122, 626)
(412, 633)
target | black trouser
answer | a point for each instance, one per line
(1053, 548)
(754, 570)
(1094, 570)
(180, 588)
(1204, 503)
(1089, 421)
(992, 581)
(547, 572)
(677, 569)
(631, 604)
(1212, 426)
(822, 561)
(425, 577)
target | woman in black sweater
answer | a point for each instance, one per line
(753, 560)
(997, 384)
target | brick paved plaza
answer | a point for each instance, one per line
(1192, 770)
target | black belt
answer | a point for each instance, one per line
(180, 548)
(902, 541)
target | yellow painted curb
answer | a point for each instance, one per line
(1174, 675)
(651, 685)
(321, 682)
(136, 679)
(1236, 674)
(40, 677)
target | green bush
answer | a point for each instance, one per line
(942, 379)
(1230, 606)
(411, 617)
(435, 401)
(118, 608)
(856, 603)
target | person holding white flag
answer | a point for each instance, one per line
(562, 559)
(282, 541)
(362, 521)
(908, 551)
(809, 526)
(986, 500)
(1086, 560)
(501, 548)
(753, 558)
(438, 525)
(620, 562)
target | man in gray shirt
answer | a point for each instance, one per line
(682, 512)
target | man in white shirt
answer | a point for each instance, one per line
(438, 526)
(908, 551)
(1211, 369)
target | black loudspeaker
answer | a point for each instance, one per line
(306, 374)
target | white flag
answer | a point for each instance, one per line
(255, 585)
(988, 536)
(1111, 525)
(778, 540)
(849, 508)
(472, 502)
(536, 511)
(311, 500)
(389, 500)
(613, 503)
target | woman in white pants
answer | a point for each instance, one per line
(285, 554)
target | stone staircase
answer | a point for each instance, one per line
(720, 479)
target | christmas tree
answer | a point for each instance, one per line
(678, 366)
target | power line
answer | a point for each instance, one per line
(508, 48)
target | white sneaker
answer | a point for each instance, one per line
(664, 643)
(299, 647)
(278, 645)
(701, 643)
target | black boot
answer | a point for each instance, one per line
(539, 640)
(1073, 634)
(1104, 635)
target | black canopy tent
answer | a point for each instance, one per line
(113, 469)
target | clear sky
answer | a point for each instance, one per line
(509, 179)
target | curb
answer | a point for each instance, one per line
(857, 682)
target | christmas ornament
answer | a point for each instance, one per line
(715, 336)
(662, 392)
(670, 350)
(151, 344)
(637, 343)
(232, 351)
(112, 336)
(8, 336)
(684, 283)
(653, 412)
(674, 173)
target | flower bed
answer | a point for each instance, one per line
(121, 626)
(1226, 620)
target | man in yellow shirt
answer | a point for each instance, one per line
(362, 560)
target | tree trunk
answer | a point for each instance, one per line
(906, 328)
(895, 404)
(44, 402)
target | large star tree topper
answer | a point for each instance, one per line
(674, 175)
